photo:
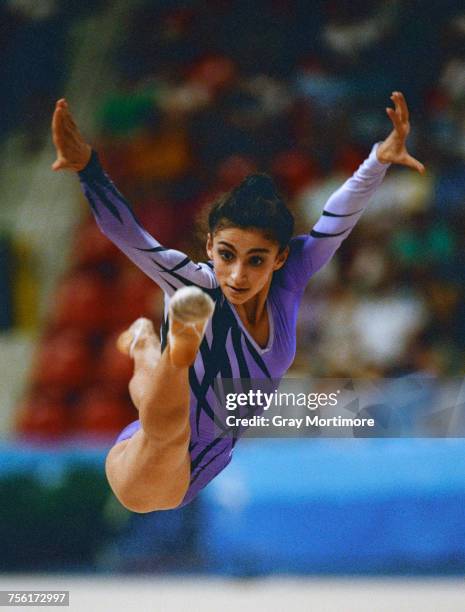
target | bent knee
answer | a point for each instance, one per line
(147, 495)
(135, 503)
(144, 481)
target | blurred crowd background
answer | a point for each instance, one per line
(198, 95)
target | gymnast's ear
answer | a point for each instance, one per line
(209, 245)
(281, 258)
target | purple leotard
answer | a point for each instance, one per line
(228, 350)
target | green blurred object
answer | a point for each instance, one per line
(124, 112)
(58, 525)
(436, 244)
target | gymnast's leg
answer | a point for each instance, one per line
(151, 470)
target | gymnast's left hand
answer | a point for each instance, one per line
(73, 153)
(394, 149)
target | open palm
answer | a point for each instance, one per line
(72, 151)
(394, 149)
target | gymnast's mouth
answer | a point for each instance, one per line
(237, 289)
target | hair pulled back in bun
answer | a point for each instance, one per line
(254, 204)
(257, 185)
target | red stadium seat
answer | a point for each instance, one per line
(114, 369)
(43, 416)
(91, 247)
(233, 170)
(215, 73)
(294, 170)
(83, 300)
(64, 361)
(102, 412)
(136, 296)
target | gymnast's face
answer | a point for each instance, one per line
(244, 261)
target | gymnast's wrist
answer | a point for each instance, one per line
(92, 168)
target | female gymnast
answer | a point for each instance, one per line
(232, 317)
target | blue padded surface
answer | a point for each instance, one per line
(306, 506)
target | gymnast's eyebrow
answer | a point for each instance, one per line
(257, 250)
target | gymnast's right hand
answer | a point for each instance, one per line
(73, 153)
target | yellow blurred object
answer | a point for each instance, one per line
(163, 156)
(25, 287)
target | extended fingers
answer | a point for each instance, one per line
(403, 106)
(395, 118)
(415, 164)
(58, 126)
(59, 164)
(400, 105)
(397, 109)
(59, 115)
(60, 131)
(62, 106)
(392, 114)
(60, 134)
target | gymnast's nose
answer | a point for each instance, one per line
(239, 276)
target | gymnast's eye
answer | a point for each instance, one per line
(256, 260)
(226, 255)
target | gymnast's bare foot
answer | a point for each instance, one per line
(140, 333)
(189, 312)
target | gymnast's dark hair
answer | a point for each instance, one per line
(254, 204)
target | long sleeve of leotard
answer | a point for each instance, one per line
(169, 268)
(310, 252)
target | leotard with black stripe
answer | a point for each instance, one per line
(228, 351)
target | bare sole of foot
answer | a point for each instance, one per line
(137, 332)
(190, 309)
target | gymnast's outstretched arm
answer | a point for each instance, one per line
(345, 207)
(169, 268)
